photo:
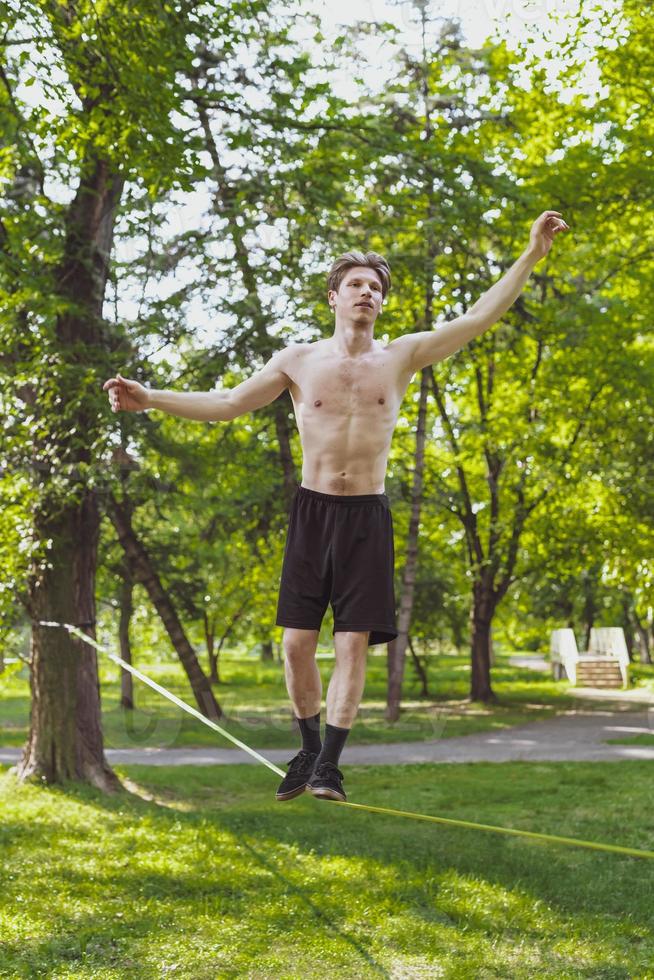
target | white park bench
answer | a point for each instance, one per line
(604, 665)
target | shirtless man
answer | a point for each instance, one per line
(346, 391)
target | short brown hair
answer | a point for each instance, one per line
(348, 260)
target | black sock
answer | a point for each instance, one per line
(310, 728)
(333, 744)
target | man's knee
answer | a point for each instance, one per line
(299, 645)
(351, 641)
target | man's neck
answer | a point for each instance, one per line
(352, 340)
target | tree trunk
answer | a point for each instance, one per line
(65, 739)
(267, 654)
(214, 676)
(214, 652)
(420, 670)
(143, 572)
(126, 611)
(627, 625)
(209, 639)
(397, 647)
(590, 605)
(642, 634)
(481, 620)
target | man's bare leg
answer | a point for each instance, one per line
(348, 680)
(303, 680)
(343, 699)
(305, 691)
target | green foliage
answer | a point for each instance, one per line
(114, 90)
(242, 173)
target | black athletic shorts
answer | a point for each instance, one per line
(339, 549)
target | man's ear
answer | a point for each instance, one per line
(331, 296)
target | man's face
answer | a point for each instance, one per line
(359, 297)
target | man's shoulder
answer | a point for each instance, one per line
(289, 359)
(292, 351)
(399, 342)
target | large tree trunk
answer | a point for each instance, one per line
(143, 572)
(397, 647)
(126, 611)
(65, 739)
(481, 620)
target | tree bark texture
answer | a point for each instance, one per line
(65, 739)
(483, 609)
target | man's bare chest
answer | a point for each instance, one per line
(347, 386)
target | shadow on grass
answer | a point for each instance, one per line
(583, 800)
(317, 912)
(82, 942)
(246, 853)
(90, 939)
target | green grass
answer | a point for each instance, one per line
(199, 873)
(254, 698)
(646, 738)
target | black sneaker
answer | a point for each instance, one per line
(295, 780)
(326, 782)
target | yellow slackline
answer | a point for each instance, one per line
(575, 841)
(448, 821)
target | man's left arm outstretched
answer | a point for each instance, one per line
(431, 346)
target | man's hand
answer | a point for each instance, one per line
(130, 396)
(542, 233)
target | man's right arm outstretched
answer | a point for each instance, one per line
(204, 406)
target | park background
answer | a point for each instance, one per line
(176, 179)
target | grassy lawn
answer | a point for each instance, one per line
(646, 738)
(199, 873)
(254, 698)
